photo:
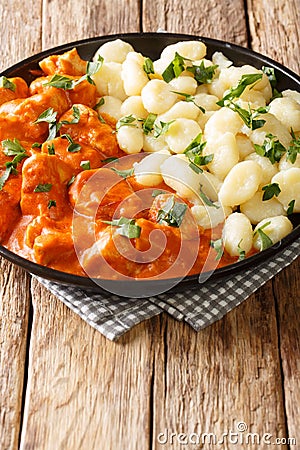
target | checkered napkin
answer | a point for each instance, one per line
(200, 306)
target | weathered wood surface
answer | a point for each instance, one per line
(84, 392)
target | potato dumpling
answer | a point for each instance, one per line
(289, 183)
(181, 133)
(147, 172)
(185, 84)
(275, 228)
(257, 209)
(108, 80)
(287, 110)
(268, 169)
(225, 154)
(114, 51)
(157, 96)
(272, 126)
(244, 144)
(111, 106)
(193, 50)
(222, 121)
(210, 216)
(181, 109)
(237, 234)
(134, 105)
(154, 144)
(241, 183)
(130, 139)
(133, 75)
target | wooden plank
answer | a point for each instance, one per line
(230, 372)
(204, 18)
(20, 38)
(283, 45)
(85, 392)
(287, 288)
(14, 312)
(226, 374)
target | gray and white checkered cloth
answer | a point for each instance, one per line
(200, 306)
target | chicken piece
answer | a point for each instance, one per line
(9, 205)
(84, 92)
(17, 117)
(44, 186)
(150, 255)
(91, 130)
(68, 63)
(74, 159)
(102, 194)
(20, 91)
(169, 209)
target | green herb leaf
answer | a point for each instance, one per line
(189, 98)
(123, 173)
(71, 181)
(125, 227)
(148, 67)
(100, 103)
(161, 129)
(265, 240)
(7, 84)
(43, 187)
(148, 123)
(174, 69)
(12, 147)
(5, 176)
(172, 212)
(108, 160)
(61, 82)
(206, 200)
(242, 253)
(36, 145)
(51, 149)
(48, 116)
(236, 92)
(129, 121)
(249, 117)
(85, 165)
(15, 149)
(271, 190)
(51, 204)
(194, 154)
(270, 72)
(202, 74)
(157, 192)
(217, 245)
(72, 147)
(293, 149)
(291, 206)
(271, 148)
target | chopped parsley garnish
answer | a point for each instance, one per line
(271, 190)
(157, 192)
(270, 72)
(61, 82)
(172, 212)
(206, 200)
(125, 227)
(100, 103)
(36, 145)
(51, 149)
(202, 74)
(123, 173)
(71, 181)
(265, 241)
(290, 208)
(15, 149)
(43, 187)
(190, 98)
(7, 84)
(49, 116)
(51, 204)
(271, 148)
(108, 160)
(129, 121)
(236, 92)
(293, 149)
(72, 147)
(149, 123)
(162, 128)
(76, 118)
(148, 67)
(85, 165)
(217, 245)
(194, 154)
(249, 116)
(175, 68)
(242, 253)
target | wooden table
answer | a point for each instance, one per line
(63, 386)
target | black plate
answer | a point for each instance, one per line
(151, 45)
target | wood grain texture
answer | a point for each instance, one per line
(85, 392)
(204, 18)
(14, 312)
(275, 31)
